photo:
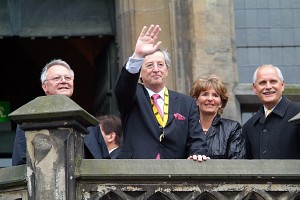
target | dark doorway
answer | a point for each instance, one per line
(32, 33)
(21, 62)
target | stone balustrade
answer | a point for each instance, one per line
(54, 128)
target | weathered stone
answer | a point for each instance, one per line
(186, 179)
(42, 145)
(50, 108)
(54, 127)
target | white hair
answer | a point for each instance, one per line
(276, 68)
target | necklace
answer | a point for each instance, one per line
(204, 129)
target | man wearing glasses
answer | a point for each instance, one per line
(57, 77)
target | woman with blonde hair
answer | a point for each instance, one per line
(224, 136)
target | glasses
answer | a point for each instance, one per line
(57, 79)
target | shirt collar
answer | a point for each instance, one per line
(265, 109)
(161, 93)
(112, 149)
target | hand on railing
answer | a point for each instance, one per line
(199, 158)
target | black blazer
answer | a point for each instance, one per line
(141, 130)
(273, 137)
(115, 153)
(94, 145)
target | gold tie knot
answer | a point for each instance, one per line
(268, 112)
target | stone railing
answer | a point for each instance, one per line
(166, 179)
(54, 128)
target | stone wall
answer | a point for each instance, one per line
(171, 180)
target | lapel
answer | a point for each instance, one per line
(173, 106)
(281, 107)
(279, 110)
(259, 116)
(147, 112)
(151, 122)
(213, 129)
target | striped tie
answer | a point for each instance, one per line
(154, 98)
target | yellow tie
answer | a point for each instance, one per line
(268, 112)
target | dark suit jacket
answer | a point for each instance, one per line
(273, 137)
(115, 153)
(141, 130)
(94, 146)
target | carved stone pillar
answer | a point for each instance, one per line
(54, 127)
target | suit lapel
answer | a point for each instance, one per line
(173, 105)
(148, 112)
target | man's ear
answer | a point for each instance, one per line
(112, 137)
(254, 88)
(44, 87)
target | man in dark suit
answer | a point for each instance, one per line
(157, 122)
(57, 77)
(268, 133)
(111, 129)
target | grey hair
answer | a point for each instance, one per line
(167, 56)
(276, 68)
(55, 62)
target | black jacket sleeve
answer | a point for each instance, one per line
(19, 149)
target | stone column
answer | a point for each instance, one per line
(199, 34)
(213, 46)
(54, 128)
(131, 16)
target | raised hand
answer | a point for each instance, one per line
(146, 43)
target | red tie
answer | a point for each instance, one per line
(154, 98)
